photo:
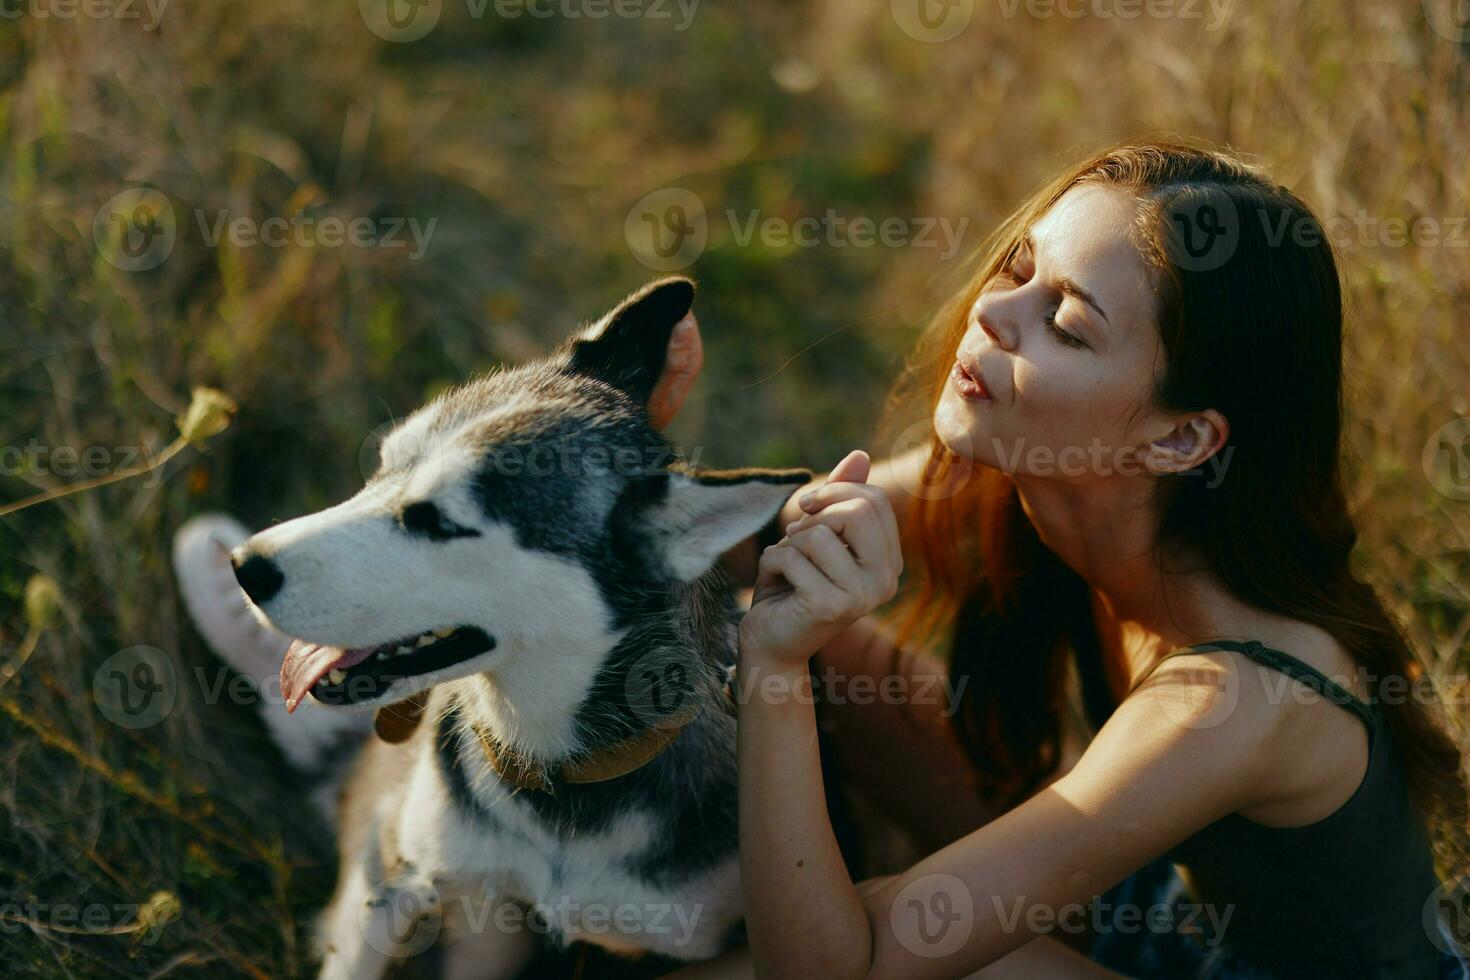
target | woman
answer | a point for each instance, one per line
(1136, 417)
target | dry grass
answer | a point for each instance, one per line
(529, 141)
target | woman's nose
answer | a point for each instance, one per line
(994, 317)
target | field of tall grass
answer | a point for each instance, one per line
(140, 144)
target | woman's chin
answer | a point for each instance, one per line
(957, 428)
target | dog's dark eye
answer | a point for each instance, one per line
(426, 519)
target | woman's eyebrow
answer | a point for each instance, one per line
(1069, 286)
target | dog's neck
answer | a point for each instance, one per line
(670, 661)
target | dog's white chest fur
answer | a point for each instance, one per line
(579, 886)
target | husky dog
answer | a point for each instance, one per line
(527, 594)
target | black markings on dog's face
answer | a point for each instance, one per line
(573, 488)
(424, 518)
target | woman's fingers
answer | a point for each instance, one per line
(831, 555)
(784, 561)
(830, 493)
(860, 524)
(682, 365)
(821, 498)
(837, 565)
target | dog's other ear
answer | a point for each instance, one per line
(705, 513)
(627, 347)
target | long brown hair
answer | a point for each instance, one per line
(1253, 331)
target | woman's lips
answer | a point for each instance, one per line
(969, 382)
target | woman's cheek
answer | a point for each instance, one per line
(1080, 413)
(1050, 409)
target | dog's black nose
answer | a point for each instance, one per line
(258, 576)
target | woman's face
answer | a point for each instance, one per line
(1061, 350)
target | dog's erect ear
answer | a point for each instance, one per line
(707, 512)
(627, 347)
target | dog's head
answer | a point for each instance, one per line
(517, 524)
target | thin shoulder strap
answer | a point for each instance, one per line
(1294, 668)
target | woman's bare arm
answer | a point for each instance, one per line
(1162, 767)
(887, 713)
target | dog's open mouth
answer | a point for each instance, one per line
(336, 676)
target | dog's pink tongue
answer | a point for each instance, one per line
(306, 663)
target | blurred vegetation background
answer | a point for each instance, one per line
(528, 142)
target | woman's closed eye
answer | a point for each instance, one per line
(1062, 336)
(1018, 273)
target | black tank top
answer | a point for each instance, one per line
(1342, 897)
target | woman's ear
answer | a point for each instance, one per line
(1190, 443)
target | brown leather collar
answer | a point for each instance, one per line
(397, 722)
(596, 767)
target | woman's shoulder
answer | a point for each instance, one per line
(1240, 698)
(1256, 691)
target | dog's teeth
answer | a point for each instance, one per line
(444, 633)
(402, 650)
(426, 639)
(336, 675)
